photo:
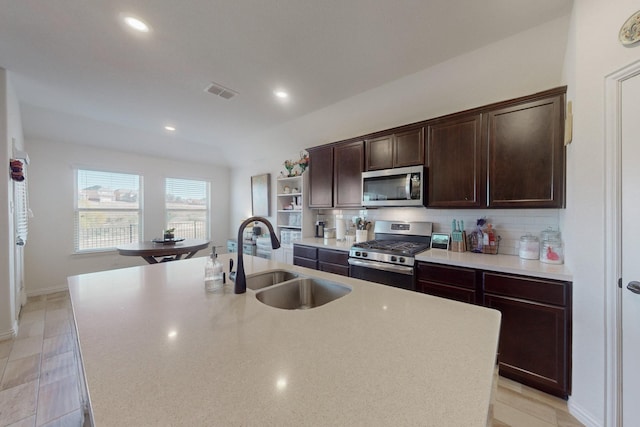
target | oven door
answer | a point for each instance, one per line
(381, 272)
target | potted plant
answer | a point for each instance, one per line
(168, 234)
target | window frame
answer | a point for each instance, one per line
(207, 209)
(77, 210)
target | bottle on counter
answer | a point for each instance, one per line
(213, 278)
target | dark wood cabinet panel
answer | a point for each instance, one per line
(305, 256)
(447, 291)
(333, 268)
(409, 148)
(321, 177)
(526, 154)
(445, 281)
(533, 346)
(535, 336)
(455, 157)
(348, 164)
(379, 153)
(396, 150)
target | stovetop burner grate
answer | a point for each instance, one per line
(393, 246)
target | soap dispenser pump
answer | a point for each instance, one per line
(213, 273)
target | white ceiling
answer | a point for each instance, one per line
(82, 77)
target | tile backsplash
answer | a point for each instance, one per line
(509, 224)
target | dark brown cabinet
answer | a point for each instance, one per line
(395, 150)
(333, 261)
(305, 256)
(348, 164)
(321, 176)
(535, 334)
(444, 281)
(335, 175)
(456, 159)
(526, 154)
(329, 260)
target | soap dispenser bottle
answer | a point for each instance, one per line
(213, 275)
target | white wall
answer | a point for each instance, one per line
(11, 131)
(49, 253)
(596, 53)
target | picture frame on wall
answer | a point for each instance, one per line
(260, 197)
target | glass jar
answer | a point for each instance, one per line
(529, 247)
(551, 247)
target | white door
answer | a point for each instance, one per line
(630, 237)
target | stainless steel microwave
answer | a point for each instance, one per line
(394, 187)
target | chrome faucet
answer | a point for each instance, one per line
(241, 280)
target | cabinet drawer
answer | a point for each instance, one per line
(462, 277)
(305, 262)
(334, 268)
(539, 290)
(333, 257)
(447, 291)
(305, 251)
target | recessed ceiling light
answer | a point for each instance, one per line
(136, 24)
(170, 128)
(281, 94)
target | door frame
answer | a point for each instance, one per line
(613, 250)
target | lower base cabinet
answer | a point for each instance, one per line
(305, 256)
(535, 337)
(328, 260)
(535, 333)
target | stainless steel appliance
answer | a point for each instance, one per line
(390, 258)
(394, 187)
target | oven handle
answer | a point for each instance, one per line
(382, 266)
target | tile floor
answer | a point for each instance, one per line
(39, 383)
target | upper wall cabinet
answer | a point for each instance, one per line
(348, 164)
(396, 150)
(455, 158)
(335, 175)
(321, 176)
(526, 154)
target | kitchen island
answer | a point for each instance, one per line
(156, 349)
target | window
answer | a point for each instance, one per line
(187, 207)
(108, 210)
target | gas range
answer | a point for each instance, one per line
(395, 242)
(392, 251)
(390, 258)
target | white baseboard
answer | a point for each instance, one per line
(10, 334)
(583, 415)
(46, 291)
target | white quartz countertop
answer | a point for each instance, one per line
(158, 350)
(500, 263)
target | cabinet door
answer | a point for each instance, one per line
(379, 153)
(348, 164)
(333, 261)
(533, 343)
(409, 148)
(455, 158)
(321, 177)
(526, 154)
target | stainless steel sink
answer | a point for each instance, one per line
(269, 278)
(302, 293)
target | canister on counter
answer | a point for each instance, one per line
(529, 247)
(551, 247)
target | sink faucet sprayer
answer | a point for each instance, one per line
(241, 279)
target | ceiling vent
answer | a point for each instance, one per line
(221, 91)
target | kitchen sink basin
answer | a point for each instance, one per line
(269, 278)
(302, 293)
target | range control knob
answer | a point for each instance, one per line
(357, 253)
(394, 258)
(402, 260)
(364, 254)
